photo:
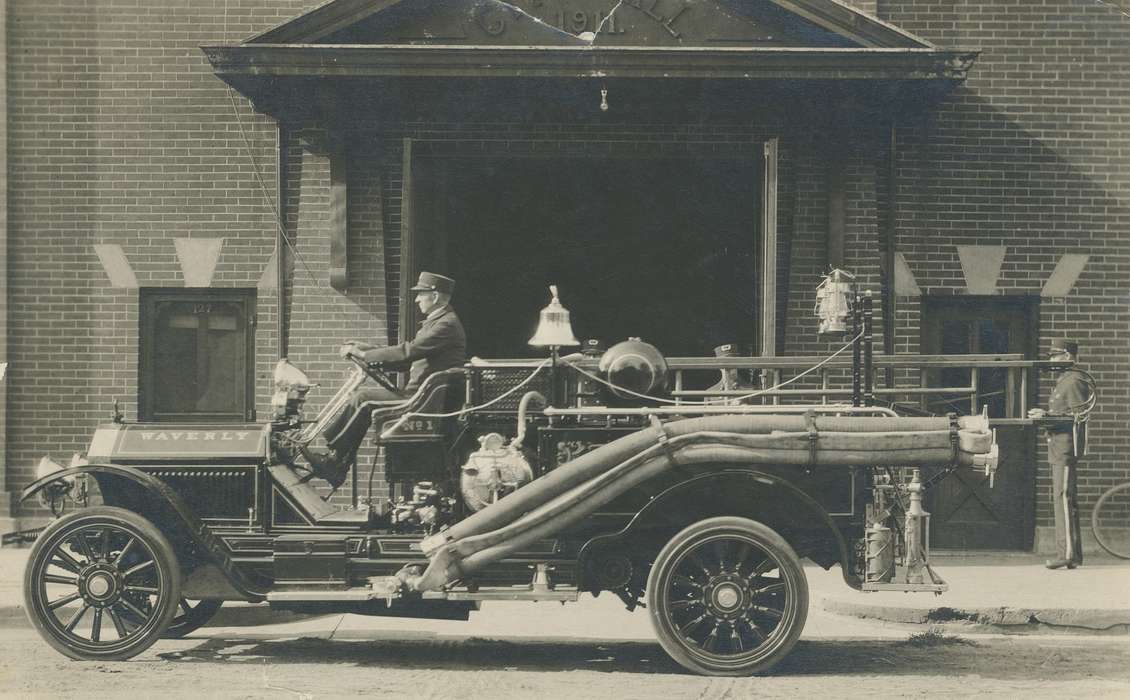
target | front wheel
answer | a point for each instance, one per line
(727, 597)
(101, 584)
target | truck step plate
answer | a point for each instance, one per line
(561, 594)
(347, 596)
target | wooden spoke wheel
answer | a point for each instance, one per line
(101, 584)
(727, 597)
(191, 615)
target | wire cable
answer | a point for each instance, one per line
(259, 176)
(714, 402)
(470, 409)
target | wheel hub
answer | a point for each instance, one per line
(100, 585)
(726, 596)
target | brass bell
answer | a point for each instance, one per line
(554, 329)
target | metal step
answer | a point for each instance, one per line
(907, 587)
(560, 595)
(349, 595)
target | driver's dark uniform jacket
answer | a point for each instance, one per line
(1069, 395)
(440, 344)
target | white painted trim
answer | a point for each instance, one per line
(1065, 275)
(905, 283)
(981, 265)
(116, 265)
(198, 258)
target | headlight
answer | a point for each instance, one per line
(287, 376)
(278, 399)
(47, 467)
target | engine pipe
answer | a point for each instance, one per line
(868, 348)
(574, 490)
(856, 349)
(523, 407)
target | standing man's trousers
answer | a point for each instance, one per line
(1061, 457)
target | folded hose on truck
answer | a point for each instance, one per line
(574, 490)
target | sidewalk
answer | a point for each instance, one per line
(1004, 592)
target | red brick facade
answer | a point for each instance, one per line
(120, 134)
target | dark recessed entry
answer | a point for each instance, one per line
(663, 249)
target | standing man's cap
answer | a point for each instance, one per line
(731, 350)
(594, 347)
(1066, 345)
(431, 282)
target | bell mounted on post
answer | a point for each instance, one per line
(554, 329)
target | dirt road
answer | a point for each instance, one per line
(502, 658)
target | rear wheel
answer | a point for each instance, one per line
(191, 615)
(727, 597)
(101, 584)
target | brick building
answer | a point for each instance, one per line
(967, 161)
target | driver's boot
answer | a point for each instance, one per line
(328, 465)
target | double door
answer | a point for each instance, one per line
(968, 514)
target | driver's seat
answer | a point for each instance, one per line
(418, 449)
(431, 398)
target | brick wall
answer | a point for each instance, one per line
(1030, 153)
(6, 521)
(120, 134)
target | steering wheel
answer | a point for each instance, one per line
(375, 372)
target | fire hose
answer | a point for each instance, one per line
(574, 490)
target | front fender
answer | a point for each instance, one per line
(116, 481)
(686, 500)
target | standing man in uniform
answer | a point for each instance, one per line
(1065, 444)
(440, 344)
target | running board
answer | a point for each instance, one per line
(361, 595)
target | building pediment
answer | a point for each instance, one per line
(346, 43)
(747, 23)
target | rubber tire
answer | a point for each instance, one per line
(781, 641)
(164, 558)
(198, 615)
(1097, 530)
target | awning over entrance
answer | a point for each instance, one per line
(597, 39)
(343, 69)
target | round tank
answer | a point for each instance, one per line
(633, 367)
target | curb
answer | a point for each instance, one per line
(1003, 619)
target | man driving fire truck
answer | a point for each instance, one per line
(440, 344)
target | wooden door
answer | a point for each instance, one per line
(966, 512)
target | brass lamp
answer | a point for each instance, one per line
(554, 330)
(833, 302)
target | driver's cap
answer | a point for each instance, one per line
(431, 282)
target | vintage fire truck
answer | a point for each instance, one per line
(539, 480)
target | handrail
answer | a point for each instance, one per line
(829, 381)
(801, 361)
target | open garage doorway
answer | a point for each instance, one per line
(665, 249)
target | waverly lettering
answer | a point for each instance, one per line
(184, 435)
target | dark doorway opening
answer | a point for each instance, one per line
(967, 513)
(663, 249)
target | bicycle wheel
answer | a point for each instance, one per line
(1110, 521)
